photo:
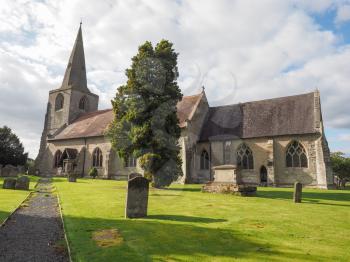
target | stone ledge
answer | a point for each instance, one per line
(229, 188)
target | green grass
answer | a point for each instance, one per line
(10, 199)
(187, 225)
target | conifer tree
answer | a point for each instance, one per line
(145, 124)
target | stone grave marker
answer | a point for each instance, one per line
(132, 175)
(298, 188)
(137, 197)
(9, 183)
(22, 183)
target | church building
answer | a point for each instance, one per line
(273, 142)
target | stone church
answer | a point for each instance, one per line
(271, 142)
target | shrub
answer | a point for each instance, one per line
(93, 172)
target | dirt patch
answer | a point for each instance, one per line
(107, 238)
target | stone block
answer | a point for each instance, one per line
(9, 183)
(229, 188)
(298, 188)
(137, 198)
(23, 183)
(9, 171)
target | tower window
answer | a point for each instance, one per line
(59, 102)
(296, 155)
(83, 103)
(245, 158)
(97, 158)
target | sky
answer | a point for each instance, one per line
(240, 51)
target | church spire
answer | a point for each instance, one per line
(75, 75)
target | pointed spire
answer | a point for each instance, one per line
(75, 75)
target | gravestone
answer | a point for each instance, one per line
(137, 197)
(298, 188)
(22, 183)
(133, 175)
(9, 183)
(9, 171)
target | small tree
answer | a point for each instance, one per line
(93, 172)
(341, 168)
(145, 123)
(11, 149)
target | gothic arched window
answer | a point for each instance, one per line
(227, 152)
(83, 103)
(245, 158)
(59, 102)
(296, 155)
(97, 158)
(204, 160)
(56, 159)
(130, 161)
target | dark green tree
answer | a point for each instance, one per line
(145, 123)
(11, 149)
(341, 167)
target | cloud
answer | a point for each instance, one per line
(240, 51)
(343, 14)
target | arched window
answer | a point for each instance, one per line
(245, 158)
(97, 158)
(227, 152)
(130, 162)
(204, 160)
(59, 102)
(83, 103)
(296, 155)
(56, 159)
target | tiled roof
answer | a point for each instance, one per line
(273, 117)
(96, 123)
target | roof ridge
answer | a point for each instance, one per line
(263, 100)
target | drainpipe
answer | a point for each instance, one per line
(84, 157)
(210, 175)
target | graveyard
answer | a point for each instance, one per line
(185, 224)
(11, 199)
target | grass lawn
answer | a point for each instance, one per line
(187, 225)
(10, 199)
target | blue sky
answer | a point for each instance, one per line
(240, 50)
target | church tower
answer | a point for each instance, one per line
(71, 100)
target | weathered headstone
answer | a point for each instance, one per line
(9, 183)
(133, 175)
(137, 197)
(22, 183)
(72, 177)
(9, 171)
(298, 188)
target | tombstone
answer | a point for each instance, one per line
(9, 183)
(298, 188)
(9, 171)
(72, 177)
(137, 197)
(133, 175)
(22, 183)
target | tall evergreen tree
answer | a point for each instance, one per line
(145, 123)
(11, 149)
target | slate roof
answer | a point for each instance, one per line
(273, 117)
(96, 123)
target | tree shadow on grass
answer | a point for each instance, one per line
(186, 218)
(309, 197)
(149, 240)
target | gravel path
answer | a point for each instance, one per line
(35, 232)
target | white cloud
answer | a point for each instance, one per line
(238, 49)
(343, 14)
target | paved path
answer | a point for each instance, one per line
(34, 232)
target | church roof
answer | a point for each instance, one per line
(273, 117)
(75, 75)
(96, 123)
